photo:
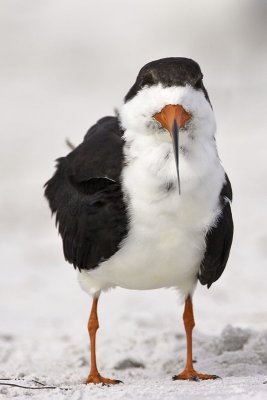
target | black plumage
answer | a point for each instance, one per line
(218, 240)
(85, 194)
(171, 71)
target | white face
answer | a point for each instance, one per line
(137, 114)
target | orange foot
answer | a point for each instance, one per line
(99, 379)
(192, 375)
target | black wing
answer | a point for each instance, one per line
(85, 194)
(218, 241)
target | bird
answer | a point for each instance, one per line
(144, 201)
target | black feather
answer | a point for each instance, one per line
(218, 241)
(171, 71)
(85, 193)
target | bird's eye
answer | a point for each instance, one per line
(147, 80)
(199, 84)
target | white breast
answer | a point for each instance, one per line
(166, 239)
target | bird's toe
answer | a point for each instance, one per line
(96, 379)
(192, 375)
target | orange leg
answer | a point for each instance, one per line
(189, 373)
(94, 376)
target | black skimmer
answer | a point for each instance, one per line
(144, 202)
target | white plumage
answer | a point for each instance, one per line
(166, 239)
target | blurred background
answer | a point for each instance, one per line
(65, 64)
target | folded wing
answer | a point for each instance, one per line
(85, 194)
(218, 241)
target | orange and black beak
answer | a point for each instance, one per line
(172, 118)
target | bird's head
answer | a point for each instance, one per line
(169, 102)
